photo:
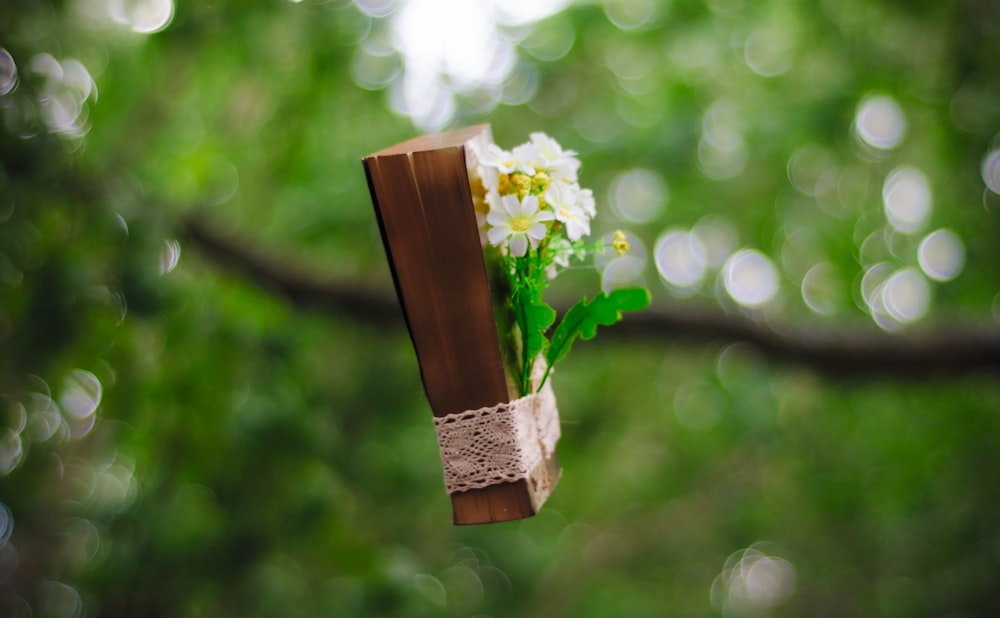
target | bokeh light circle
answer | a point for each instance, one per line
(681, 259)
(638, 195)
(11, 450)
(879, 122)
(750, 278)
(526, 12)
(631, 14)
(59, 599)
(906, 295)
(990, 170)
(377, 8)
(821, 289)
(941, 255)
(895, 298)
(767, 53)
(81, 394)
(752, 582)
(142, 16)
(722, 150)
(6, 524)
(812, 171)
(170, 256)
(8, 72)
(906, 197)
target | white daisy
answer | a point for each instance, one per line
(564, 200)
(509, 162)
(520, 222)
(550, 156)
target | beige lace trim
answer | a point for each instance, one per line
(499, 444)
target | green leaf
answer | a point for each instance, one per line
(533, 318)
(539, 318)
(584, 317)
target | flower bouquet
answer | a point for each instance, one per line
(473, 235)
(536, 218)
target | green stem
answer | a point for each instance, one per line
(527, 275)
(545, 377)
(522, 318)
(518, 290)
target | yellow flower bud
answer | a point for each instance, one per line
(476, 184)
(478, 195)
(522, 184)
(540, 182)
(620, 242)
(503, 184)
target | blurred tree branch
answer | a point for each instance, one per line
(276, 274)
(957, 350)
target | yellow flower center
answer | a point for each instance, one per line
(520, 223)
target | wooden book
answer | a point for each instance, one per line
(423, 201)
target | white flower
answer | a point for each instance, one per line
(476, 147)
(491, 183)
(585, 198)
(509, 162)
(561, 251)
(564, 200)
(558, 163)
(524, 155)
(490, 177)
(493, 200)
(520, 221)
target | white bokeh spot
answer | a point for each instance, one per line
(750, 278)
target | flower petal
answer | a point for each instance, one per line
(511, 205)
(586, 199)
(529, 205)
(537, 231)
(518, 244)
(545, 215)
(576, 229)
(496, 235)
(496, 218)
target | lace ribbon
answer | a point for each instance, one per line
(500, 444)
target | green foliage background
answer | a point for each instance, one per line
(251, 458)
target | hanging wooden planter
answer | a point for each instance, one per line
(456, 315)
